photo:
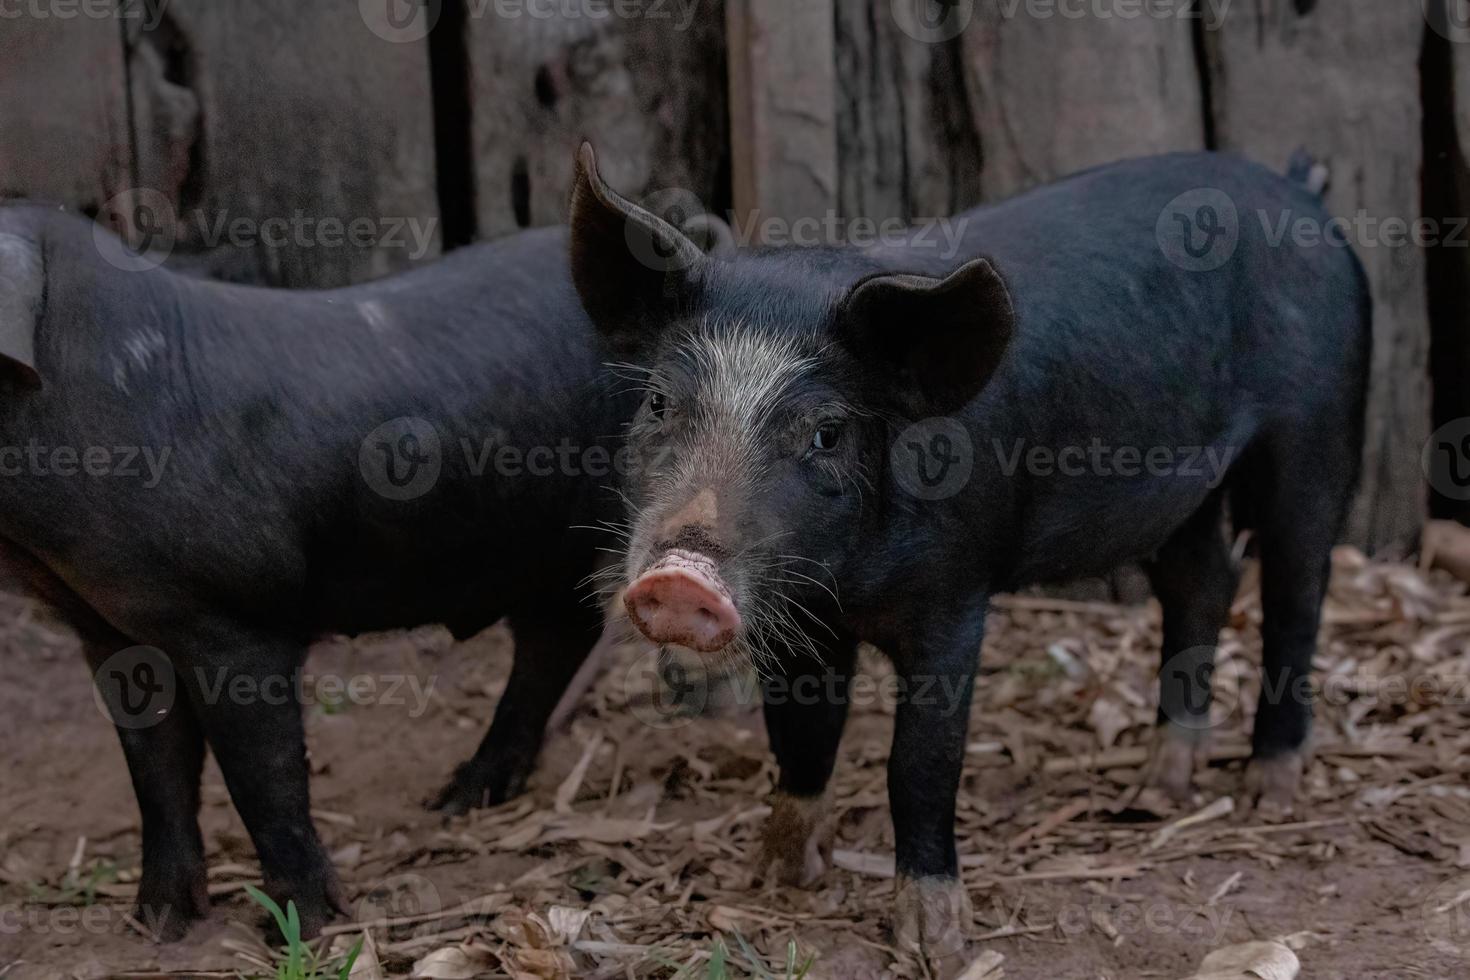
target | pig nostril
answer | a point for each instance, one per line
(681, 606)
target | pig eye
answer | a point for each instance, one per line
(827, 436)
(658, 403)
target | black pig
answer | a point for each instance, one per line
(270, 510)
(840, 449)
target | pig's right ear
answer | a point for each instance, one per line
(632, 269)
(22, 287)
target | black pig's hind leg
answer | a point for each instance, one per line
(164, 747)
(162, 741)
(1304, 497)
(244, 687)
(549, 649)
(1194, 581)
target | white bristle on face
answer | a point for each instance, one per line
(738, 378)
(744, 373)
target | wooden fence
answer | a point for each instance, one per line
(462, 116)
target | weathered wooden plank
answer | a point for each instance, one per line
(906, 142)
(647, 90)
(63, 118)
(782, 109)
(1054, 94)
(296, 114)
(1342, 80)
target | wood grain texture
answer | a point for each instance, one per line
(648, 91)
(782, 109)
(907, 147)
(1343, 81)
(301, 111)
(63, 118)
(1054, 95)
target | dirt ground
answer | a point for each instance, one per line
(633, 853)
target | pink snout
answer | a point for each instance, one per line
(681, 600)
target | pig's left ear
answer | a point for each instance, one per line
(632, 269)
(943, 338)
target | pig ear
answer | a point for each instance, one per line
(22, 284)
(943, 338)
(632, 269)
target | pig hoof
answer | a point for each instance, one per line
(1171, 764)
(1272, 784)
(169, 903)
(473, 788)
(798, 839)
(933, 918)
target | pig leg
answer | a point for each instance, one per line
(549, 648)
(937, 667)
(1300, 520)
(161, 740)
(244, 687)
(805, 715)
(1195, 581)
(164, 747)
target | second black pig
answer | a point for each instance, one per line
(429, 448)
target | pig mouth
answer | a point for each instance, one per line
(680, 599)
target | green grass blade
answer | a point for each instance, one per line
(266, 902)
(717, 962)
(351, 960)
(294, 950)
